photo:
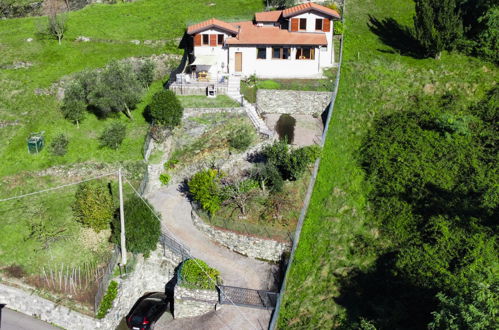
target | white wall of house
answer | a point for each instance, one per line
(221, 52)
(328, 59)
(274, 68)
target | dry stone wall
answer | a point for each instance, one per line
(253, 247)
(190, 112)
(292, 102)
(192, 302)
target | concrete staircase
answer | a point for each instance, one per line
(234, 92)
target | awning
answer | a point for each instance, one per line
(205, 60)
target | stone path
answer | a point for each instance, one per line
(235, 269)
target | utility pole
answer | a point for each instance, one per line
(122, 220)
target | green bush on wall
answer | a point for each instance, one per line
(339, 28)
(196, 274)
(107, 301)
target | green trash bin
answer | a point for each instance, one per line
(35, 143)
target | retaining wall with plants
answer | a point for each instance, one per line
(292, 102)
(250, 246)
(189, 112)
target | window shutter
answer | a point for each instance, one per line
(213, 40)
(197, 40)
(326, 25)
(294, 24)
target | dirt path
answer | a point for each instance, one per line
(235, 269)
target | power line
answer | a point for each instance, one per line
(192, 257)
(55, 188)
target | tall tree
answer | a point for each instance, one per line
(438, 25)
(117, 89)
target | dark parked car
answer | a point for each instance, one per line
(147, 310)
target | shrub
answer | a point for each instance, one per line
(268, 175)
(107, 300)
(74, 103)
(334, 6)
(93, 206)
(113, 135)
(291, 165)
(204, 187)
(269, 84)
(59, 145)
(142, 226)
(170, 163)
(339, 28)
(166, 109)
(241, 138)
(195, 273)
(145, 73)
(164, 178)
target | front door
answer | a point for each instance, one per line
(239, 62)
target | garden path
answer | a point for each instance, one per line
(235, 269)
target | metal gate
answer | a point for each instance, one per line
(247, 297)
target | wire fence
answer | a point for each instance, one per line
(275, 315)
(106, 277)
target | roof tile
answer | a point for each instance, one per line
(296, 10)
(205, 25)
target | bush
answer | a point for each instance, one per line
(107, 300)
(196, 274)
(170, 164)
(241, 138)
(291, 165)
(113, 135)
(268, 175)
(166, 108)
(269, 84)
(142, 226)
(93, 206)
(59, 145)
(145, 73)
(74, 103)
(204, 187)
(339, 28)
(164, 178)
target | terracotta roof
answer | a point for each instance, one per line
(211, 23)
(268, 16)
(303, 8)
(250, 34)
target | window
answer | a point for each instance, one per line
(261, 53)
(280, 53)
(305, 53)
(206, 39)
(303, 23)
(220, 40)
(318, 24)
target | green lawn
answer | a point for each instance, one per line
(375, 78)
(117, 24)
(200, 101)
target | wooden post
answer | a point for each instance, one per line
(122, 220)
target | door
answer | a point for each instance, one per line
(239, 62)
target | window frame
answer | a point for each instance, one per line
(258, 53)
(300, 52)
(220, 42)
(300, 23)
(281, 53)
(203, 37)
(322, 24)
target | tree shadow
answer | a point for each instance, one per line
(400, 38)
(387, 300)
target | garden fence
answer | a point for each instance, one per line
(275, 315)
(173, 245)
(106, 277)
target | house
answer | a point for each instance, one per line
(293, 43)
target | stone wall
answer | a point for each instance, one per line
(189, 112)
(149, 274)
(192, 302)
(292, 102)
(250, 246)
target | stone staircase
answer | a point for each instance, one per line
(234, 92)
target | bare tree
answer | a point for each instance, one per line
(239, 193)
(56, 24)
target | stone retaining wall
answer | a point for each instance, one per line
(189, 112)
(292, 102)
(192, 302)
(253, 247)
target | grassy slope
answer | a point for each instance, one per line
(142, 20)
(374, 79)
